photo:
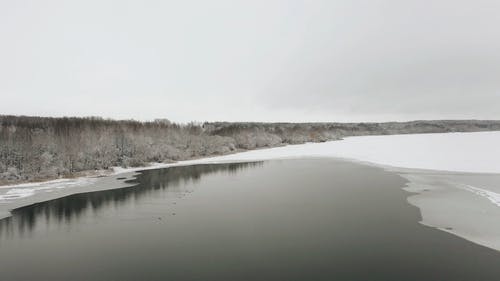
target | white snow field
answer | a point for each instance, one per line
(457, 152)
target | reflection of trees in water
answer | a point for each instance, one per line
(147, 183)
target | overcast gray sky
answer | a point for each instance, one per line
(335, 60)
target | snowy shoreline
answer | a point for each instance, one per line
(413, 151)
(444, 152)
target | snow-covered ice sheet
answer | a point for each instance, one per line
(457, 152)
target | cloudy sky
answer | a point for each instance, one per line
(261, 60)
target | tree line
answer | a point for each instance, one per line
(39, 148)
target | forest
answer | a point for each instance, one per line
(41, 148)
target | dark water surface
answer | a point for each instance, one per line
(277, 220)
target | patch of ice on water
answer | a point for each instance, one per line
(490, 195)
(34, 184)
(30, 189)
(17, 193)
